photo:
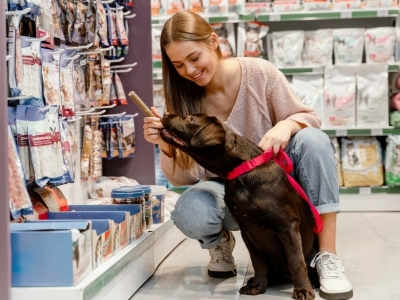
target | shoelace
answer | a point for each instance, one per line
(330, 265)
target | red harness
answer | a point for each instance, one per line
(283, 160)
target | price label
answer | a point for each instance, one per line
(274, 17)
(365, 191)
(377, 131)
(346, 15)
(382, 13)
(341, 132)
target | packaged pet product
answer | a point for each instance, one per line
(174, 6)
(380, 44)
(128, 136)
(15, 74)
(285, 5)
(317, 4)
(235, 6)
(337, 156)
(158, 97)
(86, 150)
(96, 162)
(252, 41)
(80, 84)
(155, 43)
(348, 45)
(23, 143)
(380, 3)
(67, 86)
(196, 6)
(287, 48)
(226, 37)
(318, 47)
(257, 6)
(347, 4)
(217, 6)
(310, 89)
(67, 150)
(103, 29)
(157, 8)
(372, 109)
(392, 160)
(51, 77)
(361, 162)
(340, 97)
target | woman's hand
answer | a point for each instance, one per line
(151, 131)
(279, 136)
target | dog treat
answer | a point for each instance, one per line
(139, 102)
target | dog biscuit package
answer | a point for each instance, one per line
(361, 162)
(372, 109)
(340, 97)
(51, 77)
(392, 160)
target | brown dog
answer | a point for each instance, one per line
(275, 223)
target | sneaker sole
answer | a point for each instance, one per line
(337, 296)
(227, 274)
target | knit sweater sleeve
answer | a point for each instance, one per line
(283, 102)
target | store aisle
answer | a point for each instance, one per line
(368, 244)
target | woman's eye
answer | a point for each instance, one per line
(194, 59)
(178, 66)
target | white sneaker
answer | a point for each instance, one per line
(334, 284)
(222, 263)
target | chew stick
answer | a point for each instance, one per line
(139, 102)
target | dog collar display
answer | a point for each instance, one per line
(283, 160)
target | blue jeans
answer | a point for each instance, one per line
(200, 212)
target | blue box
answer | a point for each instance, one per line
(50, 254)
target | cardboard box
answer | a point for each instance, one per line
(134, 217)
(120, 218)
(46, 254)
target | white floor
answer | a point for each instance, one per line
(368, 244)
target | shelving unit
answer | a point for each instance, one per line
(119, 277)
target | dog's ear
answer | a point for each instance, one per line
(212, 134)
(230, 141)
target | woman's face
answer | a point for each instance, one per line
(193, 61)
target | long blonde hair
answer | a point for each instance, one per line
(183, 97)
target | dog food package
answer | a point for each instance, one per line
(380, 44)
(128, 136)
(32, 70)
(340, 97)
(157, 7)
(22, 142)
(66, 150)
(361, 162)
(51, 77)
(252, 40)
(372, 109)
(257, 6)
(347, 4)
(196, 6)
(45, 146)
(287, 48)
(20, 203)
(67, 87)
(348, 45)
(86, 151)
(392, 160)
(337, 156)
(318, 47)
(226, 37)
(317, 4)
(174, 6)
(310, 89)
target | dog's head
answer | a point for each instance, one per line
(208, 141)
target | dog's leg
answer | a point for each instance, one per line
(257, 284)
(291, 241)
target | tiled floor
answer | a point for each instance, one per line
(368, 244)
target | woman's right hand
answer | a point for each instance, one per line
(152, 126)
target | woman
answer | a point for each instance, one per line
(253, 99)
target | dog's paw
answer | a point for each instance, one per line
(253, 289)
(303, 294)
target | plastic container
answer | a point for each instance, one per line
(148, 206)
(158, 193)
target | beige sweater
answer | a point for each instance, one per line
(265, 98)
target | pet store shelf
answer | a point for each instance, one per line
(211, 18)
(119, 277)
(362, 132)
(371, 190)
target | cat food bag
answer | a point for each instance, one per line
(372, 108)
(380, 44)
(340, 97)
(226, 38)
(287, 48)
(318, 47)
(361, 162)
(392, 160)
(252, 40)
(348, 45)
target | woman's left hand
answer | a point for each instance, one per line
(279, 135)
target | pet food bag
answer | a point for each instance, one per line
(340, 97)
(348, 45)
(380, 44)
(252, 40)
(226, 37)
(392, 160)
(372, 109)
(287, 48)
(361, 162)
(318, 47)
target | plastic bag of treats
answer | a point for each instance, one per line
(103, 29)
(23, 143)
(361, 162)
(80, 34)
(15, 74)
(120, 90)
(128, 136)
(252, 41)
(120, 25)
(392, 160)
(51, 76)
(66, 149)
(96, 162)
(67, 86)
(86, 150)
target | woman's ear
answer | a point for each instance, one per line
(214, 40)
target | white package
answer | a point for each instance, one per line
(340, 97)
(252, 40)
(380, 44)
(372, 96)
(287, 48)
(348, 45)
(318, 47)
(310, 89)
(226, 37)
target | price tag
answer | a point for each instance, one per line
(346, 15)
(382, 13)
(377, 131)
(233, 17)
(341, 132)
(365, 191)
(274, 17)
